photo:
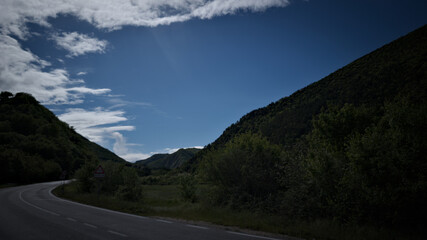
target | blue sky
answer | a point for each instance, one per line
(142, 77)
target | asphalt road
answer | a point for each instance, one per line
(32, 212)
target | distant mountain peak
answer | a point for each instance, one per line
(169, 160)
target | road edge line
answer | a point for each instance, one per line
(32, 205)
(93, 207)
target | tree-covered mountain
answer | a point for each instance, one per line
(350, 148)
(36, 146)
(168, 161)
(398, 68)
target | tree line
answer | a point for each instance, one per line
(358, 164)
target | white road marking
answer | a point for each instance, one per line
(39, 208)
(194, 226)
(97, 208)
(163, 221)
(71, 219)
(90, 225)
(250, 235)
(137, 216)
(117, 233)
(45, 199)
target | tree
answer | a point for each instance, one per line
(4, 96)
(326, 160)
(387, 171)
(243, 173)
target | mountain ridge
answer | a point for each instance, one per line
(169, 161)
(36, 146)
(285, 121)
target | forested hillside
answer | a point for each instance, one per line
(168, 161)
(398, 68)
(36, 146)
(351, 147)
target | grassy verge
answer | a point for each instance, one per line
(165, 201)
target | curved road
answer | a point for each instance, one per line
(32, 212)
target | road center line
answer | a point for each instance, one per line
(194, 226)
(163, 221)
(250, 235)
(71, 219)
(90, 225)
(117, 233)
(39, 208)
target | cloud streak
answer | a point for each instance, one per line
(23, 71)
(112, 15)
(79, 44)
(100, 126)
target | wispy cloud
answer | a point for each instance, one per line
(23, 71)
(102, 126)
(112, 15)
(79, 44)
(85, 90)
(83, 119)
(99, 125)
(118, 102)
(81, 73)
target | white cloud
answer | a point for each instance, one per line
(81, 73)
(78, 44)
(111, 14)
(100, 126)
(85, 90)
(121, 148)
(83, 119)
(224, 7)
(22, 71)
(118, 102)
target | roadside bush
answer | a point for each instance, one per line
(244, 172)
(188, 188)
(119, 181)
(84, 175)
(130, 189)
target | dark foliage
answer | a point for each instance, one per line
(244, 172)
(350, 148)
(120, 180)
(36, 146)
(396, 68)
(168, 161)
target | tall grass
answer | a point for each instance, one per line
(166, 201)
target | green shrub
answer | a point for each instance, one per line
(244, 173)
(188, 188)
